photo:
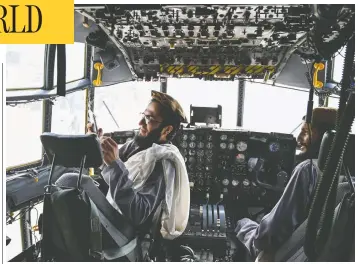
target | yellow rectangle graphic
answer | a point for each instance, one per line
(36, 22)
(217, 69)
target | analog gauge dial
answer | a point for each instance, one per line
(246, 183)
(274, 147)
(209, 145)
(209, 153)
(225, 182)
(210, 137)
(201, 153)
(184, 144)
(241, 146)
(240, 158)
(223, 137)
(192, 137)
(184, 137)
(192, 145)
(223, 145)
(201, 145)
(192, 152)
(192, 160)
(231, 146)
(235, 182)
(200, 159)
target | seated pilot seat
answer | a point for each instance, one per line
(339, 244)
(79, 224)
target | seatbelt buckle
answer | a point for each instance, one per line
(96, 255)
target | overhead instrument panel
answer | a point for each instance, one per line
(210, 42)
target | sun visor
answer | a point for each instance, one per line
(83, 27)
(112, 65)
(294, 73)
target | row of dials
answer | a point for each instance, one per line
(193, 137)
(193, 145)
(240, 146)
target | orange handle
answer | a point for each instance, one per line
(316, 82)
(98, 66)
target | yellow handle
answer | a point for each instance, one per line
(318, 67)
(98, 66)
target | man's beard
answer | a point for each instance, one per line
(148, 140)
(311, 152)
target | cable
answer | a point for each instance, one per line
(296, 128)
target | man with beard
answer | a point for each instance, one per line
(149, 169)
(293, 207)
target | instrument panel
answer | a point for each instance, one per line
(198, 148)
(223, 164)
(232, 164)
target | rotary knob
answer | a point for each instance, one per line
(246, 183)
(225, 182)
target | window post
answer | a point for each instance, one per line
(240, 103)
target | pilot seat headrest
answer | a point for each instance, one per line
(69, 150)
(326, 144)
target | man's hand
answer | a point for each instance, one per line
(109, 150)
(90, 127)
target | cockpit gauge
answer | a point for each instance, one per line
(225, 182)
(223, 145)
(241, 146)
(192, 160)
(240, 158)
(209, 145)
(235, 183)
(192, 145)
(209, 153)
(200, 153)
(223, 137)
(192, 152)
(192, 137)
(184, 137)
(246, 183)
(231, 146)
(184, 144)
(210, 137)
(200, 159)
(274, 147)
(201, 145)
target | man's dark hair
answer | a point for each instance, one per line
(169, 119)
(323, 119)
